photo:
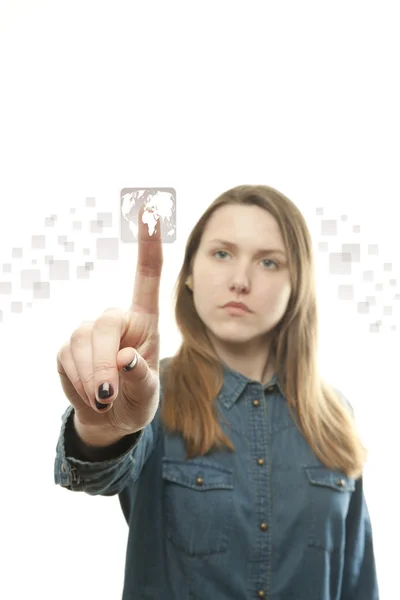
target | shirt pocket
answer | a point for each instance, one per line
(329, 498)
(198, 504)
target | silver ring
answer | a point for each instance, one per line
(131, 364)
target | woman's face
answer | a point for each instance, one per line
(251, 254)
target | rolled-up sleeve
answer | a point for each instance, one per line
(105, 477)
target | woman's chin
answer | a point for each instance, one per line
(231, 336)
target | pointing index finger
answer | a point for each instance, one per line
(149, 264)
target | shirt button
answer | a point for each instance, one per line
(260, 461)
(199, 481)
(263, 527)
(261, 594)
(63, 469)
(271, 388)
(256, 403)
(341, 482)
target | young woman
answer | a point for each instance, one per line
(238, 469)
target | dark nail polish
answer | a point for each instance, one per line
(101, 406)
(106, 390)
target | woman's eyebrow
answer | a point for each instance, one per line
(234, 246)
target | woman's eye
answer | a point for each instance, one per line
(271, 261)
(265, 259)
(220, 252)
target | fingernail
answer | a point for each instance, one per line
(105, 390)
(100, 405)
(132, 364)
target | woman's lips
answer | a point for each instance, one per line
(235, 308)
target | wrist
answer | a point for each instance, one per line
(96, 437)
(87, 443)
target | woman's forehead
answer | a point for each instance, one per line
(242, 225)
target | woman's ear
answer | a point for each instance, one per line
(189, 282)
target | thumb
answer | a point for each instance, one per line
(139, 388)
(139, 380)
(129, 360)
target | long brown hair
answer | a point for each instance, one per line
(194, 376)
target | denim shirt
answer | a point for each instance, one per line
(266, 521)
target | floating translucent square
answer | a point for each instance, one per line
(105, 219)
(339, 263)
(29, 277)
(363, 308)
(96, 227)
(59, 270)
(328, 227)
(41, 290)
(353, 250)
(5, 287)
(38, 242)
(368, 276)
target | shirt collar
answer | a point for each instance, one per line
(235, 384)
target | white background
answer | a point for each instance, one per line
(199, 96)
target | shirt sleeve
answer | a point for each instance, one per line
(122, 463)
(359, 577)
